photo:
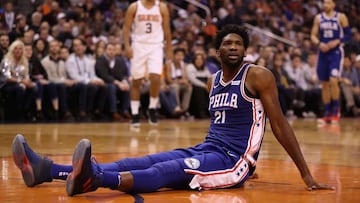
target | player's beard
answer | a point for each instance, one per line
(233, 64)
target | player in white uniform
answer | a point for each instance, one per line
(149, 25)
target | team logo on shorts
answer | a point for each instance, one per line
(335, 72)
(192, 163)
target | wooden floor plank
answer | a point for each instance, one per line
(332, 151)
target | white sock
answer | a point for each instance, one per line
(153, 102)
(134, 105)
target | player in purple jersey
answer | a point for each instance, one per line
(330, 30)
(225, 159)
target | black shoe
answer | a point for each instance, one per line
(68, 117)
(153, 117)
(86, 175)
(97, 116)
(135, 121)
(34, 168)
(56, 115)
(83, 117)
(40, 116)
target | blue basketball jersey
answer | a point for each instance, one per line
(330, 28)
(237, 120)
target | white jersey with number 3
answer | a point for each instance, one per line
(147, 25)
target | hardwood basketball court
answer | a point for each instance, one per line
(332, 152)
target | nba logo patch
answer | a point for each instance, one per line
(235, 82)
(192, 163)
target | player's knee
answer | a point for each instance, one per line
(334, 80)
(154, 77)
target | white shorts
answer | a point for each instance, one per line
(147, 58)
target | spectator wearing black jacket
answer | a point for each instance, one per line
(115, 73)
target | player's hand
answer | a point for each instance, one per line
(324, 47)
(333, 43)
(320, 186)
(313, 185)
(129, 52)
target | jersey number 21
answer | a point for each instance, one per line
(219, 117)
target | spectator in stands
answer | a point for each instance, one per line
(19, 28)
(209, 29)
(296, 73)
(39, 77)
(45, 35)
(55, 69)
(40, 48)
(36, 19)
(7, 19)
(350, 87)
(99, 48)
(313, 99)
(53, 9)
(28, 37)
(357, 65)
(64, 53)
(15, 79)
(168, 103)
(176, 78)
(230, 18)
(198, 74)
(354, 44)
(261, 61)
(181, 22)
(80, 68)
(65, 35)
(114, 72)
(285, 86)
(212, 60)
(4, 45)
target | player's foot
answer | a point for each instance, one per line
(324, 120)
(152, 117)
(34, 168)
(135, 121)
(86, 175)
(335, 119)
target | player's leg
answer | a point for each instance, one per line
(326, 97)
(214, 169)
(92, 175)
(324, 76)
(36, 169)
(335, 73)
(138, 72)
(154, 91)
(87, 175)
(155, 65)
(135, 101)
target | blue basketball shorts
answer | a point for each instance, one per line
(330, 64)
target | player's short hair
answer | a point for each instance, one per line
(231, 28)
(179, 50)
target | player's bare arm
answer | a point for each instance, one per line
(129, 18)
(261, 83)
(167, 32)
(315, 30)
(315, 35)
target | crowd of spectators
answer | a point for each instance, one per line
(66, 57)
